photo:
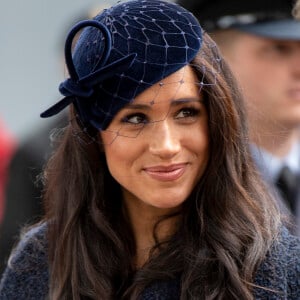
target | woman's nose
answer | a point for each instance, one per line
(164, 140)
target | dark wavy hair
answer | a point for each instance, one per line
(226, 227)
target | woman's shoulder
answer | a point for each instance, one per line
(279, 273)
(26, 275)
(286, 249)
(32, 246)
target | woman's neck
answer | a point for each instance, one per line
(143, 219)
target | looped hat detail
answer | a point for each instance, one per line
(123, 51)
(77, 88)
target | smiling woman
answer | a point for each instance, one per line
(169, 153)
(151, 193)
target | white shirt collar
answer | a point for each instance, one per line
(271, 165)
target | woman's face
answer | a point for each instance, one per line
(157, 147)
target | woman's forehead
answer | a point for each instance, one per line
(180, 84)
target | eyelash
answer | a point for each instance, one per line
(141, 116)
(143, 119)
(192, 112)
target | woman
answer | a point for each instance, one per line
(151, 193)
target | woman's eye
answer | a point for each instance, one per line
(187, 113)
(135, 119)
(279, 48)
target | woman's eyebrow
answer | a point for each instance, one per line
(138, 106)
(174, 102)
(180, 101)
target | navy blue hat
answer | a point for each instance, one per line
(123, 51)
(267, 18)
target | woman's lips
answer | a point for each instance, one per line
(166, 173)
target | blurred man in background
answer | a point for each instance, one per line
(261, 42)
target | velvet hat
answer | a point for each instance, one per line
(121, 52)
(267, 18)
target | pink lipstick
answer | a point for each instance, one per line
(166, 173)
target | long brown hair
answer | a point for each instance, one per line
(228, 222)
